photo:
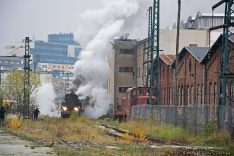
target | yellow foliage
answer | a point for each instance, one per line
(15, 124)
(140, 135)
(128, 137)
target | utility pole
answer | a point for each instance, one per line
(177, 62)
(26, 78)
(177, 56)
(154, 55)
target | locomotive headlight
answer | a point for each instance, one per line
(76, 109)
(65, 108)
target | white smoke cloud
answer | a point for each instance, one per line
(97, 28)
(45, 97)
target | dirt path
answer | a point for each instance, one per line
(12, 145)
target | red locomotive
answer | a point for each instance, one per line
(134, 96)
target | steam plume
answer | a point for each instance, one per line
(45, 97)
(97, 29)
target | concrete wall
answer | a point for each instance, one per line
(167, 40)
(140, 56)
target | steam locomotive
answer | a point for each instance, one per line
(134, 96)
(71, 104)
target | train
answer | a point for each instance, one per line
(71, 104)
(134, 96)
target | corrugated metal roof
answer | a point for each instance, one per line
(198, 52)
(168, 59)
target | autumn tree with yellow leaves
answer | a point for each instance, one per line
(13, 86)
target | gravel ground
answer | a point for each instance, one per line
(12, 145)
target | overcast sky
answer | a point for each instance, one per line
(21, 18)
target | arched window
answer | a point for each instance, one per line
(202, 94)
(198, 94)
(170, 97)
(226, 97)
(162, 96)
(182, 95)
(188, 102)
(192, 95)
(178, 95)
(164, 71)
(211, 93)
(229, 57)
(215, 94)
(173, 95)
(190, 65)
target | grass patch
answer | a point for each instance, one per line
(80, 129)
(65, 151)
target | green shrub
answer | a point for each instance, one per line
(209, 128)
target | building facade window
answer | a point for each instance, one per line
(202, 94)
(188, 96)
(226, 97)
(182, 96)
(62, 67)
(179, 96)
(162, 96)
(53, 66)
(123, 89)
(126, 69)
(164, 71)
(198, 94)
(173, 95)
(211, 93)
(215, 94)
(77, 51)
(170, 97)
(165, 95)
(229, 57)
(190, 65)
(126, 51)
(192, 96)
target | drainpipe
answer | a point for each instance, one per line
(174, 87)
(204, 84)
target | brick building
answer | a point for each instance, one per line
(166, 78)
(198, 75)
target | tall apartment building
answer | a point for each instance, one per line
(122, 64)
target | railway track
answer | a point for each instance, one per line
(150, 139)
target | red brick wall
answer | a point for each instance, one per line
(165, 83)
(194, 77)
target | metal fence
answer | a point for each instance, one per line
(194, 118)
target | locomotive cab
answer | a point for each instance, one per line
(71, 104)
(134, 96)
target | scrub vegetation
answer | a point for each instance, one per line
(79, 129)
